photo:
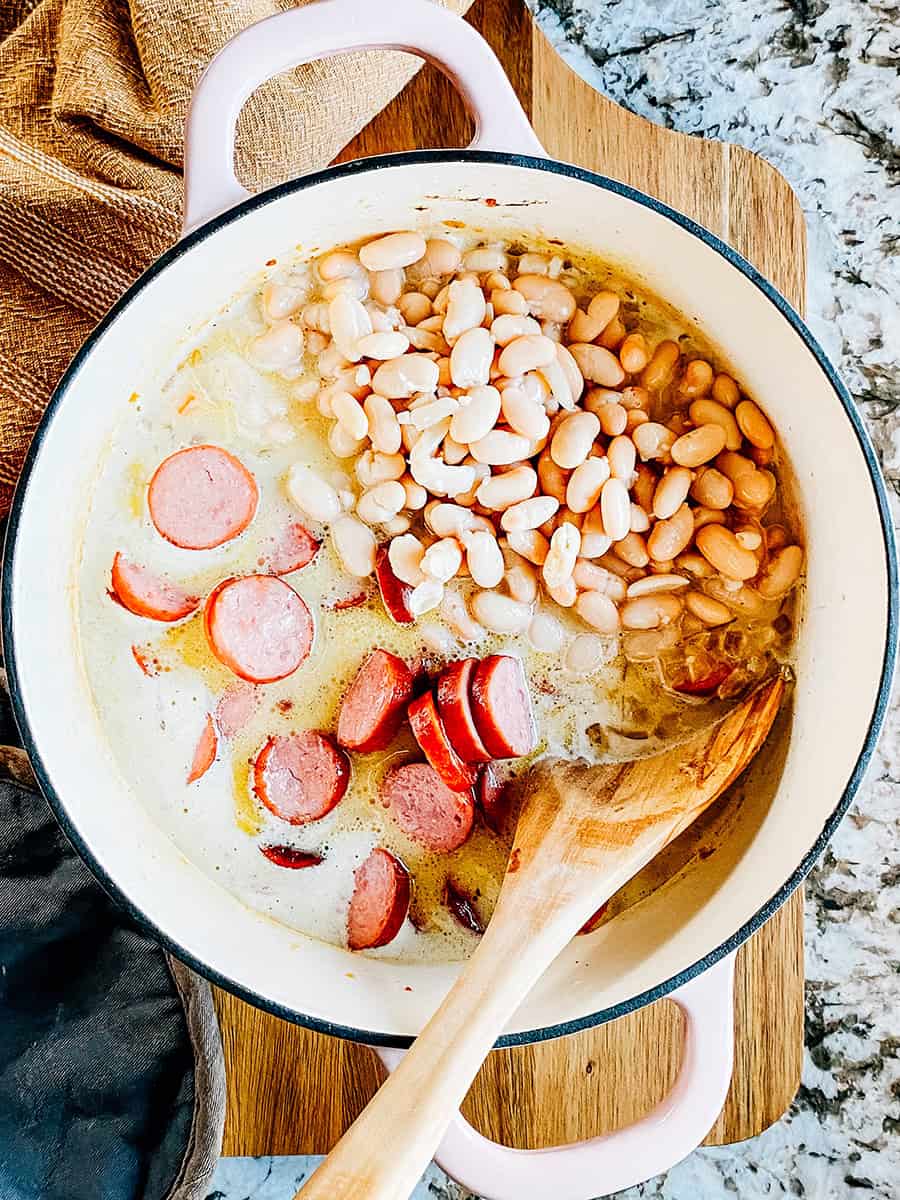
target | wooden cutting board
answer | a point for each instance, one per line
(291, 1091)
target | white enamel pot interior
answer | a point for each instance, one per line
(797, 791)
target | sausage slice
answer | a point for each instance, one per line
(148, 595)
(502, 707)
(205, 753)
(426, 809)
(379, 903)
(258, 627)
(290, 857)
(429, 732)
(300, 777)
(201, 496)
(394, 592)
(236, 708)
(292, 550)
(375, 703)
(492, 797)
(456, 711)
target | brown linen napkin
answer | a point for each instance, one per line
(93, 96)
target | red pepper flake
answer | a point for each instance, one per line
(490, 202)
(515, 861)
(593, 921)
(285, 705)
(462, 907)
(271, 262)
(134, 397)
(407, 988)
(288, 856)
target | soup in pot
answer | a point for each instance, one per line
(406, 517)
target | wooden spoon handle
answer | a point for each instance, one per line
(383, 1154)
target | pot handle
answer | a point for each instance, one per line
(320, 30)
(615, 1161)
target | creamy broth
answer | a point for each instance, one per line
(154, 684)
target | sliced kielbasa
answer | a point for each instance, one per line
(295, 547)
(492, 796)
(205, 753)
(258, 627)
(201, 496)
(379, 903)
(148, 595)
(394, 592)
(300, 777)
(429, 732)
(290, 857)
(236, 708)
(426, 809)
(502, 707)
(455, 708)
(375, 703)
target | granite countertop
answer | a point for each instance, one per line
(814, 87)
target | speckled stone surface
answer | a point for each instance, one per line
(814, 87)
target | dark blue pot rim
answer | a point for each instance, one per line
(739, 263)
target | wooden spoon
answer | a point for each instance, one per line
(582, 832)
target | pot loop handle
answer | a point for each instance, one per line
(615, 1161)
(320, 30)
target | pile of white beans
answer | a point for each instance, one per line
(503, 427)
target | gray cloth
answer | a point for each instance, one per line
(112, 1081)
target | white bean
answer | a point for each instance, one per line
(349, 322)
(531, 544)
(279, 348)
(594, 578)
(508, 326)
(355, 545)
(521, 577)
(557, 380)
(572, 372)
(484, 259)
(500, 614)
(595, 541)
(565, 594)
(279, 300)
(465, 308)
(452, 520)
(500, 448)
(453, 452)
(387, 286)
(312, 494)
(381, 423)
(471, 358)
(621, 455)
(392, 251)
(382, 345)
(414, 307)
(428, 410)
(524, 414)
(416, 496)
(425, 596)
(615, 509)
(315, 316)
(545, 633)
(484, 558)
(381, 502)
(652, 440)
(477, 414)
(405, 556)
(573, 439)
(401, 377)
(337, 264)
(586, 654)
(350, 415)
(562, 555)
(526, 353)
(372, 467)
(534, 264)
(586, 483)
(509, 302)
(547, 299)
(342, 443)
(598, 610)
(456, 615)
(529, 514)
(651, 584)
(442, 560)
(597, 364)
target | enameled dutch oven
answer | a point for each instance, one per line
(683, 936)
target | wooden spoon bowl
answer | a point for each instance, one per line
(582, 832)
